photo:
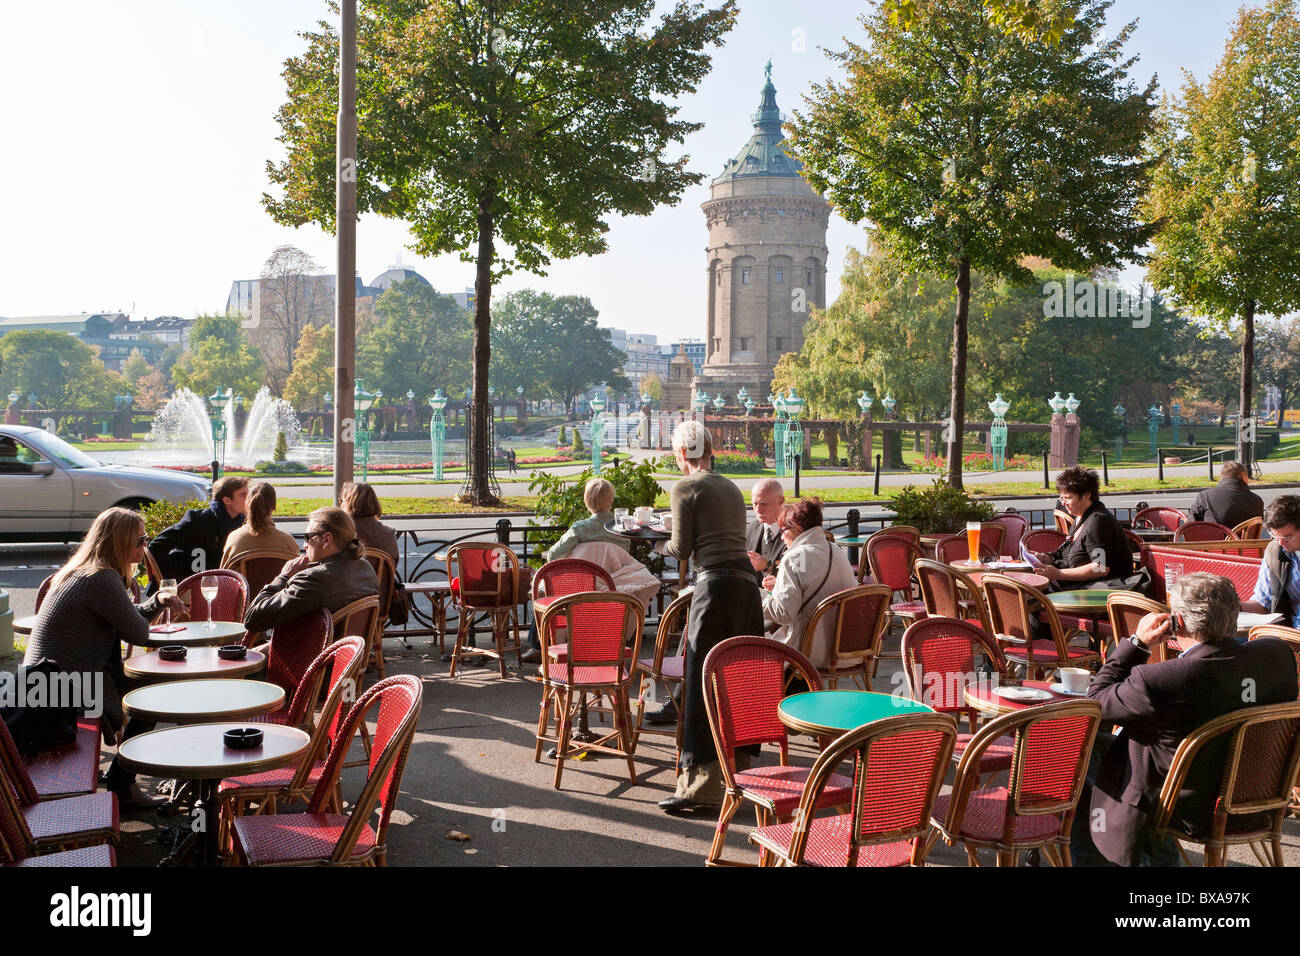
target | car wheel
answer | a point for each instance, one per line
(134, 504)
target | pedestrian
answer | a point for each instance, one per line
(194, 544)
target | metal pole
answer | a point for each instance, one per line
(1160, 464)
(1046, 484)
(345, 217)
(1211, 460)
(875, 487)
(1105, 470)
(796, 476)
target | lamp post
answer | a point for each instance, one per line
(794, 435)
(1155, 418)
(998, 431)
(219, 401)
(437, 430)
(597, 430)
(644, 426)
(778, 434)
(890, 403)
(326, 401)
(1175, 418)
(362, 401)
(1056, 403)
(1119, 439)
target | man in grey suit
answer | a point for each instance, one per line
(762, 536)
(1230, 502)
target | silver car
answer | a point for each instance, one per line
(50, 491)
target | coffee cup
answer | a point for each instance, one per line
(645, 515)
(1074, 679)
(667, 522)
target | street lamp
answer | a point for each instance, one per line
(794, 435)
(889, 402)
(597, 430)
(1155, 418)
(1119, 439)
(1071, 404)
(363, 400)
(719, 403)
(1175, 418)
(700, 402)
(865, 402)
(998, 431)
(1056, 403)
(779, 431)
(750, 405)
(437, 430)
(219, 401)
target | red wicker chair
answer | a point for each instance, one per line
(229, 604)
(68, 769)
(1259, 770)
(1052, 745)
(955, 547)
(859, 616)
(259, 568)
(30, 827)
(16, 854)
(744, 682)
(1009, 603)
(939, 663)
(291, 651)
(1064, 521)
(905, 531)
(489, 585)
(899, 765)
(42, 589)
(664, 669)
(386, 572)
(1125, 609)
(1249, 529)
(321, 838)
(598, 626)
(1042, 540)
(1170, 519)
(343, 661)
(1203, 531)
(1015, 526)
(994, 534)
(559, 578)
(358, 619)
(948, 592)
(890, 558)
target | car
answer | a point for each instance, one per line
(50, 491)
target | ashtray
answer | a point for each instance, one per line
(243, 738)
(232, 652)
(172, 652)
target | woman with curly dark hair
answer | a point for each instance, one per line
(1096, 548)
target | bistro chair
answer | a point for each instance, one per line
(561, 577)
(956, 547)
(1063, 519)
(64, 769)
(744, 682)
(906, 531)
(995, 533)
(898, 766)
(890, 558)
(30, 827)
(43, 589)
(1170, 519)
(1124, 609)
(858, 617)
(1259, 769)
(489, 586)
(358, 619)
(940, 662)
(662, 669)
(343, 661)
(1009, 602)
(322, 838)
(1289, 635)
(1249, 530)
(1043, 540)
(948, 592)
(292, 649)
(229, 604)
(386, 571)
(1015, 526)
(1036, 808)
(598, 625)
(1140, 549)
(259, 568)
(1203, 531)
(15, 853)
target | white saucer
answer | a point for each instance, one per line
(1060, 689)
(1022, 693)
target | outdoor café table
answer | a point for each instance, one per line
(976, 571)
(198, 753)
(24, 625)
(438, 593)
(196, 633)
(980, 695)
(829, 713)
(1086, 603)
(1153, 534)
(642, 532)
(201, 662)
(852, 542)
(187, 701)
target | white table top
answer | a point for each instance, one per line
(187, 701)
(199, 752)
(197, 634)
(200, 662)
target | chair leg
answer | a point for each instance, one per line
(623, 722)
(566, 725)
(1258, 849)
(972, 857)
(730, 804)
(460, 639)
(543, 723)
(1007, 857)
(499, 639)
(1276, 842)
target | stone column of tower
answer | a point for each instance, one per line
(767, 260)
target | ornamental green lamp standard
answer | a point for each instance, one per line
(779, 431)
(890, 404)
(597, 430)
(1071, 404)
(437, 430)
(793, 406)
(1056, 403)
(1175, 418)
(363, 400)
(998, 431)
(1155, 418)
(865, 402)
(220, 403)
(1119, 439)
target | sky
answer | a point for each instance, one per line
(138, 134)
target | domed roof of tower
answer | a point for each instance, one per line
(394, 275)
(763, 155)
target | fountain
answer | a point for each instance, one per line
(182, 431)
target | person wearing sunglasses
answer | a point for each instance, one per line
(329, 574)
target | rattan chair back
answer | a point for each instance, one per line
(945, 590)
(1009, 602)
(259, 568)
(1015, 526)
(1043, 540)
(597, 626)
(1125, 609)
(1203, 531)
(230, 602)
(1250, 529)
(1170, 519)
(488, 573)
(890, 558)
(293, 650)
(940, 659)
(859, 616)
(956, 547)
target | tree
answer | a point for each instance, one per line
(135, 367)
(313, 369)
(1279, 356)
(292, 297)
(651, 384)
(151, 391)
(1026, 19)
(219, 357)
(1228, 190)
(969, 148)
(504, 131)
(419, 340)
(553, 345)
(59, 369)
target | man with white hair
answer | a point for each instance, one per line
(763, 538)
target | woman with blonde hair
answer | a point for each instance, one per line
(88, 613)
(330, 575)
(260, 532)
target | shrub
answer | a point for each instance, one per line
(724, 462)
(559, 502)
(939, 509)
(163, 514)
(578, 446)
(281, 467)
(563, 439)
(281, 452)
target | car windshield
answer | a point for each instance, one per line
(62, 452)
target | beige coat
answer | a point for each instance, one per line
(811, 570)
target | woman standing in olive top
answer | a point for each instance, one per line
(260, 532)
(709, 529)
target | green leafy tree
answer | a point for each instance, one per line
(135, 367)
(651, 384)
(969, 148)
(219, 356)
(313, 369)
(1279, 356)
(507, 132)
(419, 340)
(1027, 19)
(59, 369)
(1227, 193)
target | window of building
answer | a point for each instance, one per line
(744, 277)
(807, 276)
(780, 212)
(780, 276)
(719, 277)
(744, 344)
(780, 347)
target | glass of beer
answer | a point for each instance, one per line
(973, 539)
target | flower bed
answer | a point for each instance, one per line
(724, 462)
(975, 461)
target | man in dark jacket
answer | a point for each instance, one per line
(763, 539)
(1277, 589)
(194, 544)
(1229, 502)
(1158, 705)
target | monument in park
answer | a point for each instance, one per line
(767, 259)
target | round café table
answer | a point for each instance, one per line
(24, 625)
(853, 542)
(196, 633)
(980, 695)
(829, 713)
(1153, 534)
(1085, 603)
(642, 532)
(438, 593)
(1024, 577)
(201, 662)
(198, 753)
(187, 701)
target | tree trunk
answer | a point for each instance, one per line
(480, 491)
(1245, 450)
(957, 404)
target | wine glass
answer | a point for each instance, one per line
(167, 589)
(209, 586)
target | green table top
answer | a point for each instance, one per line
(845, 709)
(1093, 599)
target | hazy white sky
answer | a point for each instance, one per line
(138, 132)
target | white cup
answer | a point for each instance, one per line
(667, 521)
(627, 523)
(1074, 679)
(645, 514)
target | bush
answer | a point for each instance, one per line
(563, 439)
(559, 502)
(163, 514)
(281, 467)
(724, 462)
(578, 446)
(939, 509)
(281, 452)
